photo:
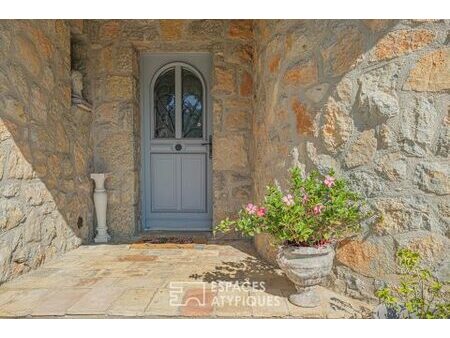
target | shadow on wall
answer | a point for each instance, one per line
(368, 98)
(45, 148)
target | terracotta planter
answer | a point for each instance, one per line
(306, 267)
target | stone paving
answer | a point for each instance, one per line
(163, 280)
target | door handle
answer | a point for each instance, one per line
(209, 144)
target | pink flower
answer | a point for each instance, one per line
(305, 198)
(251, 208)
(261, 212)
(329, 181)
(288, 200)
(318, 209)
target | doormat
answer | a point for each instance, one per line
(182, 242)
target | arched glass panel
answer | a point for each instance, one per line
(164, 104)
(192, 105)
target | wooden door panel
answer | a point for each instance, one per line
(193, 182)
(164, 182)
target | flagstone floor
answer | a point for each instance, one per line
(163, 280)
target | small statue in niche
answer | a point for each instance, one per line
(77, 84)
(77, 91)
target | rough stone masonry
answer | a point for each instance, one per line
(369, 98)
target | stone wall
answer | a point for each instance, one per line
(369, 98)
(115, 49)
(45, 152)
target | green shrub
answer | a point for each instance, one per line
(315, 210)
(419, 293)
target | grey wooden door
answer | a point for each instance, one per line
(176, 141)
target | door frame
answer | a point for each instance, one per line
(201, 63)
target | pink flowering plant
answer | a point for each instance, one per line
(315, 210)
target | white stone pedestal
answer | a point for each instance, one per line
(100, 202)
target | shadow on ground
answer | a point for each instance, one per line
(253, 270)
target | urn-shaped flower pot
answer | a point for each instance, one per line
(306, 267)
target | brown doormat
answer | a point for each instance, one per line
(181, 242)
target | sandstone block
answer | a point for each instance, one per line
(344, 91)
(32, 227)
(430, 73)
(8, 129)
(62, 35)
(28, 53)
(376, 25)
(105, 59)
(46, 47)
(2, 162)
(224, 80)
(355, 285)
(229, 153)
(377, 106)
(401, 42)
(124, 60)
(48, 78)
(109, 30)
(386, 136)
(246, 87)
(140, 31)
(242, 53)
(240, 29)
(323, 162)
(433, 178)
(432, 247)
(393, 166)
(302, 75)
(114, 151)
(337, 126)
(397, 216)
(303, 118)
(39, 102)
(367, 184)
(5, 41)
(274, 63)
(119, 87)
(443, 141)
(362, 150)
(10, 189)
(419, 123)
(18, 166)
(236, 120)
(60, 137)
(36, 194)
(345, 53)
(266, 247)
(317, 93)
(372, 257)
(13, 109)
(205, 29)
(10, 217)
(171, 29)
(381, 79)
